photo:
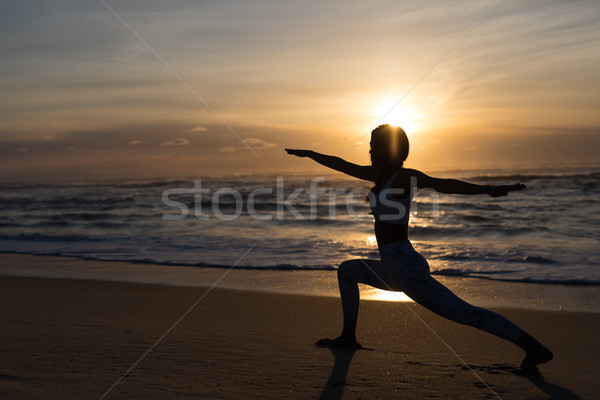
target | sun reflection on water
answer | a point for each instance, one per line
(371, 240)
(384, 295)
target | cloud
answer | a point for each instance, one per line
(135, 142)
(176, 142)
(258, 144)
(197, 129)
(254, 143)
(229, 149)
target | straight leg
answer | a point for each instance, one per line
(434, 296)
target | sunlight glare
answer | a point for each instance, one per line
(384, 295)
(371, 240)
(407, 117)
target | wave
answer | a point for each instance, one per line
(489, 229)
(475, 218)
(122, 221)
(150, 261)
(40, 237)
(487, 257)
(493, 275)
(539, 260)
(290, 181)
(96, 184)
(531, 177)
(498, 275)
(85, 201)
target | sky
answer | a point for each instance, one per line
(192, 88)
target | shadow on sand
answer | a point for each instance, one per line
(552, 390)
(334, 388)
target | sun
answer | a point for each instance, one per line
(405, 116)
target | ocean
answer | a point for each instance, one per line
(547, 233)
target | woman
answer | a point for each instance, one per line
(401, 268)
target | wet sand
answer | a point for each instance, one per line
(73, 339)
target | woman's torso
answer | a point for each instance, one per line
(395, 229)
(388, 233)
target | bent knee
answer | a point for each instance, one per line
(348, 268)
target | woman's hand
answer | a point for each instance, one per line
(299, 153)
(502, 190)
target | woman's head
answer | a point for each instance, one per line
(389, 146)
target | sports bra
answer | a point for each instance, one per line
(388, 208)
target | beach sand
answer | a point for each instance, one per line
(74, 339)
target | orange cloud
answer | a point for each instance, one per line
(254, 143)
(176, 142)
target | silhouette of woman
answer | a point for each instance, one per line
(401, 268)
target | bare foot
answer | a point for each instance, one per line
(339, 342)
(538, 356)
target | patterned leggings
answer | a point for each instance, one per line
(403, 269)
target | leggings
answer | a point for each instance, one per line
(401, 268)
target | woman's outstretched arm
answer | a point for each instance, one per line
(455, 186)
(365, 172)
